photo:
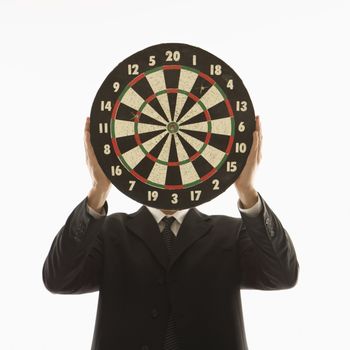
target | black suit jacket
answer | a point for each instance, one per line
(124, 257)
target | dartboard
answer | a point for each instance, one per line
(172, 126)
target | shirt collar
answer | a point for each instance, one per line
(158, 214)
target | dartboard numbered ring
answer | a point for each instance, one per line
(172, 126)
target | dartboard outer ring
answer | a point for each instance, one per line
(172, 126)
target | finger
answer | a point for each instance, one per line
(87, 129)
(87, 142)
(255, 148)
(257, 142)
(260, 128)
(87, 124)
(259, 155)
(257, 123)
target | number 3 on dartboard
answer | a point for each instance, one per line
(174, 198)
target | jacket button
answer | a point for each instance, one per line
(155, 313)
(144, 347)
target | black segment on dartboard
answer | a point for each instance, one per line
(147, 120)
(218, 111)
(172, 81)
(172, 154)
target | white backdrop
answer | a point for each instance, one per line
(293, 57)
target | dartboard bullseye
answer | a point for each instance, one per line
(172, 126)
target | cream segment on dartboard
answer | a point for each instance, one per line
(127, 128)
(186, 82)
(222, 126)
(157, 82)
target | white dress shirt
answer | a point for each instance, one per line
(179, 215)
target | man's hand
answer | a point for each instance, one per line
(100, 183)
(244, 184)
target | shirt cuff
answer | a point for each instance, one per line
(252, 211)
(94, 213)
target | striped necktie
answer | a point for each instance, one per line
(170, 342)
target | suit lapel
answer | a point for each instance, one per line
(143, 224)
(194, 226)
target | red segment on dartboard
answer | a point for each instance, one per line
(138, 78)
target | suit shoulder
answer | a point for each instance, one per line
(225, 218)
(226, 226)
(220, 219)
(121, 217)
(114, 225)
(117, 217)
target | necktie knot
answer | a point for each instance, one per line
(168, 220)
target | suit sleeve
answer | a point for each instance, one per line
(266, 253)
(74, 262)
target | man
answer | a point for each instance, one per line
(167, 284)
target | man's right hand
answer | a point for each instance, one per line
(100, 183)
